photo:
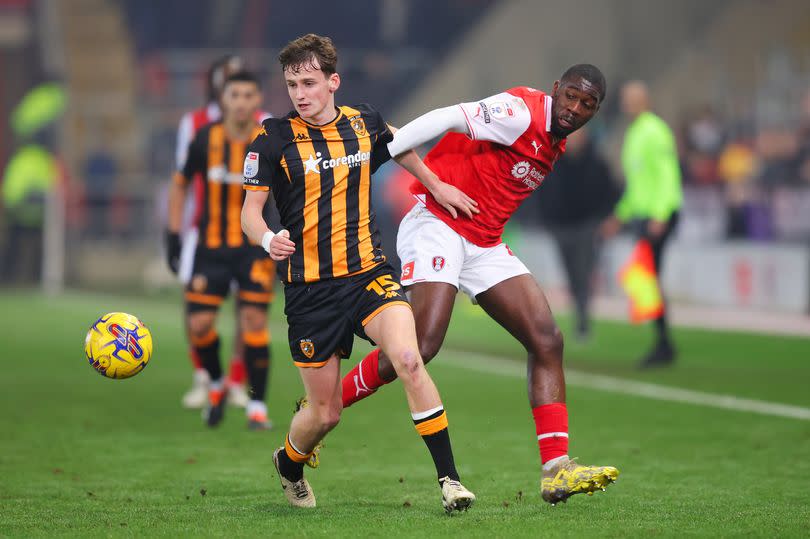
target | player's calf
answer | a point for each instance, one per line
(363, 380)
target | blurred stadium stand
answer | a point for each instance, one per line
(732, 77)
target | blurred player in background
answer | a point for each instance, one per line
(652, 196)
(498, 151)
(191, 122)
(222, 253)
(318, 161)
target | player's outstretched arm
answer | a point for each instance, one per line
(278, 245)
(427, 127)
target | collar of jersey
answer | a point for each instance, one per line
(321, 126)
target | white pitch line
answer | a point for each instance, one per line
(508, 367)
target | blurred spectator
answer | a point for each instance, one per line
(652, 196)
(802, 170)
(777, 147)
(704, 141)
(576, 197)
(28, 177)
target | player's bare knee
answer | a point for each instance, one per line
(254, 324)
(328, 418)
(386, 369)
(411, 368)
(199, 325)
(253, 319)
(428, 349)
(549, 344)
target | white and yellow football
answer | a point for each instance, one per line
(118, 345)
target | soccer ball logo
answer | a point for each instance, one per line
(118, 345)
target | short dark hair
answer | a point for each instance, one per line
(590, 73)
(216, 74)
(243, 76)
(305, 50)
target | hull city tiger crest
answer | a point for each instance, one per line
(307, 348)
(359, 125)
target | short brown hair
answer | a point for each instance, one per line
(305, 50)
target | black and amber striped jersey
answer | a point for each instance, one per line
(320, 177)
(218, 161)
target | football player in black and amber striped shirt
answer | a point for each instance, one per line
(223, 253)
(317, 162)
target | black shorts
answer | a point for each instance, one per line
(215, 269)
(324, 317)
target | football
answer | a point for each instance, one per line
(118, 345)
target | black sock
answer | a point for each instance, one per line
(257, 361)
(433, 430)
(207, 349)
(291, 470)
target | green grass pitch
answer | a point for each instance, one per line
(84, 456)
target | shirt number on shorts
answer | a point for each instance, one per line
(384, 286)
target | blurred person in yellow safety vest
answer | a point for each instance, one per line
(650, 206)
(27, 178)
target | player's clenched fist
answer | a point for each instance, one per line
(279, 246)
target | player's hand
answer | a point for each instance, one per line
(281, 247)
(655, 229)
(454, 200)
(173, 248)
(610, 227)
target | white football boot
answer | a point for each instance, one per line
(197, 396)
(455, 496)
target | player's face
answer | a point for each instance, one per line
(240, 101)
(575, 102)
(312, 92)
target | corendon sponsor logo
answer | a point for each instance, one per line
(316, 163)
(528, 174)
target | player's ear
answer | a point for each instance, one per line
(334, 82)
(555, 88)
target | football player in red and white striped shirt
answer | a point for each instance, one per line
(497, 151)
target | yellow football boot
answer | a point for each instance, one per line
(568, 478)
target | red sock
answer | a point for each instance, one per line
(551, 424)
(195, 359)
(362, 380)
(237, 373)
